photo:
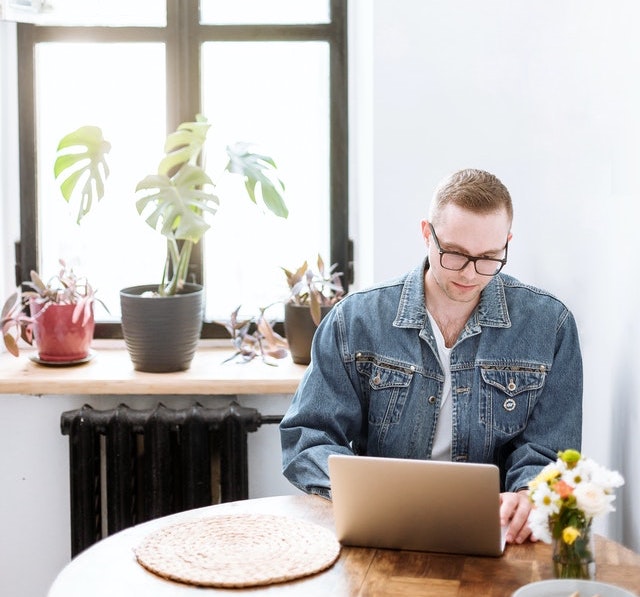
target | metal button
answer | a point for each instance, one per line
(376, 379)
(512, 385)
(432, 399)
(509, 404)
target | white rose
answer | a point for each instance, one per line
(592, 499)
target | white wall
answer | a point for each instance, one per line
(545, 95)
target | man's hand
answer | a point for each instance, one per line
(514, 511)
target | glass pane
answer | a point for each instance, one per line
(121, 13)
(113, 245)
(248, 12)
(274, 94)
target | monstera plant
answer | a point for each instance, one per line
(162, 332)
(175, 200)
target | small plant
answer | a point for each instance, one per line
(252, 337)
(65, 288)
(316, 289)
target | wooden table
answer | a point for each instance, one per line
(109, 567)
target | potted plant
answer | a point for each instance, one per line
(59, 314)
(254, 337)
(160, 333)
(311, 295)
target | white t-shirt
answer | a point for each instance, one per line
(444, 432)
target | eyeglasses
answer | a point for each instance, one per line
(454, 261)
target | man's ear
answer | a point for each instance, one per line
(426, 231)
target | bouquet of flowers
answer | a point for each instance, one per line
(566, 496)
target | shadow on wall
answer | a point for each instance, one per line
(625, 524)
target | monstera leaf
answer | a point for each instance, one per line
(81, 163)
(184, 145)
(258, 169)
(175, 207)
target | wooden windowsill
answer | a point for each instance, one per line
(110, 371)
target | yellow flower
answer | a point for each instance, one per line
(546, 475)
(570, 534)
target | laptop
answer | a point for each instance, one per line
(418, 505)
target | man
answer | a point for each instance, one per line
(453, 361)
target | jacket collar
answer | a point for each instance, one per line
(412, 313)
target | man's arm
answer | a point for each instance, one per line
(325, 414)
(556, 420)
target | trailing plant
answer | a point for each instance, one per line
(315, 289)
(255, 337)
(65, 288)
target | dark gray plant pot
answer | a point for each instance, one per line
(299, 330)
(161, 332)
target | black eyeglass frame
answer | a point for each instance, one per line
(469, 258)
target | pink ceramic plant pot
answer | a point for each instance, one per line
(57, 337)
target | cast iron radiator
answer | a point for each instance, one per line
(128, 466)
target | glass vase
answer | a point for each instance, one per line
(575, 560)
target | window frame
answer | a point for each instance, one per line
(183, 36)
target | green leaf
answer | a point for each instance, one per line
(274, 202)
(184, 145)
(258, 169)
(81, 159)
(68, 185)
(176, 207)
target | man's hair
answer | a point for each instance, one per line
(474, 190)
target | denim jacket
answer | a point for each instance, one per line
(374, 385)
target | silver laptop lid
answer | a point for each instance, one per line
(420, 505)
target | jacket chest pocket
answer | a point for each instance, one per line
(386, 387)
(508, 395)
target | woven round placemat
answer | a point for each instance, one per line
(238, 550)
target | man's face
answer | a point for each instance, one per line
(462, 231)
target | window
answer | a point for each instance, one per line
(272, 73)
